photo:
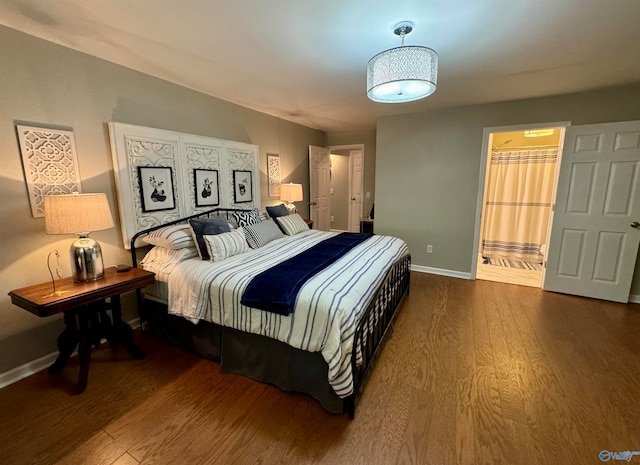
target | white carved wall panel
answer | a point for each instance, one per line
(136, 146)
(50, 164)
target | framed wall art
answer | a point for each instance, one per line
(273, 174)
(206, 187)
(242, 186)
(50, 164)
(156, 188)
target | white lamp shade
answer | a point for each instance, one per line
(76, 213)
(291, 192)
(402, 74)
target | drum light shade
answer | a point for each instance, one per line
(80, 214)
(404, 73)
(291, 193)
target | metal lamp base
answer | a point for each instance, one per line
(86, 259)
(291, 207)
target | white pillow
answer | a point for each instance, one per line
(161, 259)
(225, 245)
(177, 236)
(262, 233)
(292, 224)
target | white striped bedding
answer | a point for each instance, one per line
(327, 308)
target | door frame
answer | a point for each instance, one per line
(353, 147)
(486, 140)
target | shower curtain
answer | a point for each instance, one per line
(518, 203)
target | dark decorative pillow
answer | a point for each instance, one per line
(207, 226)
(262, 233)
(246, 218)
(278, 210)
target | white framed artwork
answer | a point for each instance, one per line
(273, 174)
(50, 164)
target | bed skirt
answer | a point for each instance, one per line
(254, 356)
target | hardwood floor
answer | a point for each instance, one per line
(477, 372)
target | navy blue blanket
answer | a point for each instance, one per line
(276, 289)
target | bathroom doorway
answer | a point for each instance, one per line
(520, 178)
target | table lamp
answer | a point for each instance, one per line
(291, 193)
(80, 214)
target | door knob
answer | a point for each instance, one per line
(635, 224)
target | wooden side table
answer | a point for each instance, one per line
(85, 314)
(309, 223)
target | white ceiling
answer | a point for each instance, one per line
(305, 60)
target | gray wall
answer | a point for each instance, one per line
(45, 84)
(427, 167)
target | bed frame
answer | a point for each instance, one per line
(371, 333)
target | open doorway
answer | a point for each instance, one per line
(346, 187)
(520, 181)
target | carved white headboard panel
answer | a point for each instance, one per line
(165, 175)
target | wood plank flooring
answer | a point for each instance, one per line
(476, 372)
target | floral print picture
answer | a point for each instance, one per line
(156, 188)
(242, 186)
(206, 187)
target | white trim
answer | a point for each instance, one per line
(441, 272)
(34, 366)
(16, 374)
(634, 299)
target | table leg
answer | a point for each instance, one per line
(67, 342)
(122, 331)
(84, 351)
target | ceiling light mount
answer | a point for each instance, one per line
(404, 73)
(402, 29)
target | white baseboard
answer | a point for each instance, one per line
(634, 299)
(28, 369)
(440, 271)
(16, 374)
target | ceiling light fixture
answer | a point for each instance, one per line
(538, 132)
(404, 73)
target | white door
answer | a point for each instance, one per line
(595, 232)
(319, 186)
(355, 189)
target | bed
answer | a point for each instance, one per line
(339, 317)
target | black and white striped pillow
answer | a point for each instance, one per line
(262, 233)
(225, 245)
(292, 224)
(177, 236)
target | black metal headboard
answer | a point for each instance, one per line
(224, 212)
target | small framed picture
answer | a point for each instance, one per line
(242, 186)
(156, 188)
(207, 191)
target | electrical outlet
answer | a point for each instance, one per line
(333, 218)
(429, 248)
